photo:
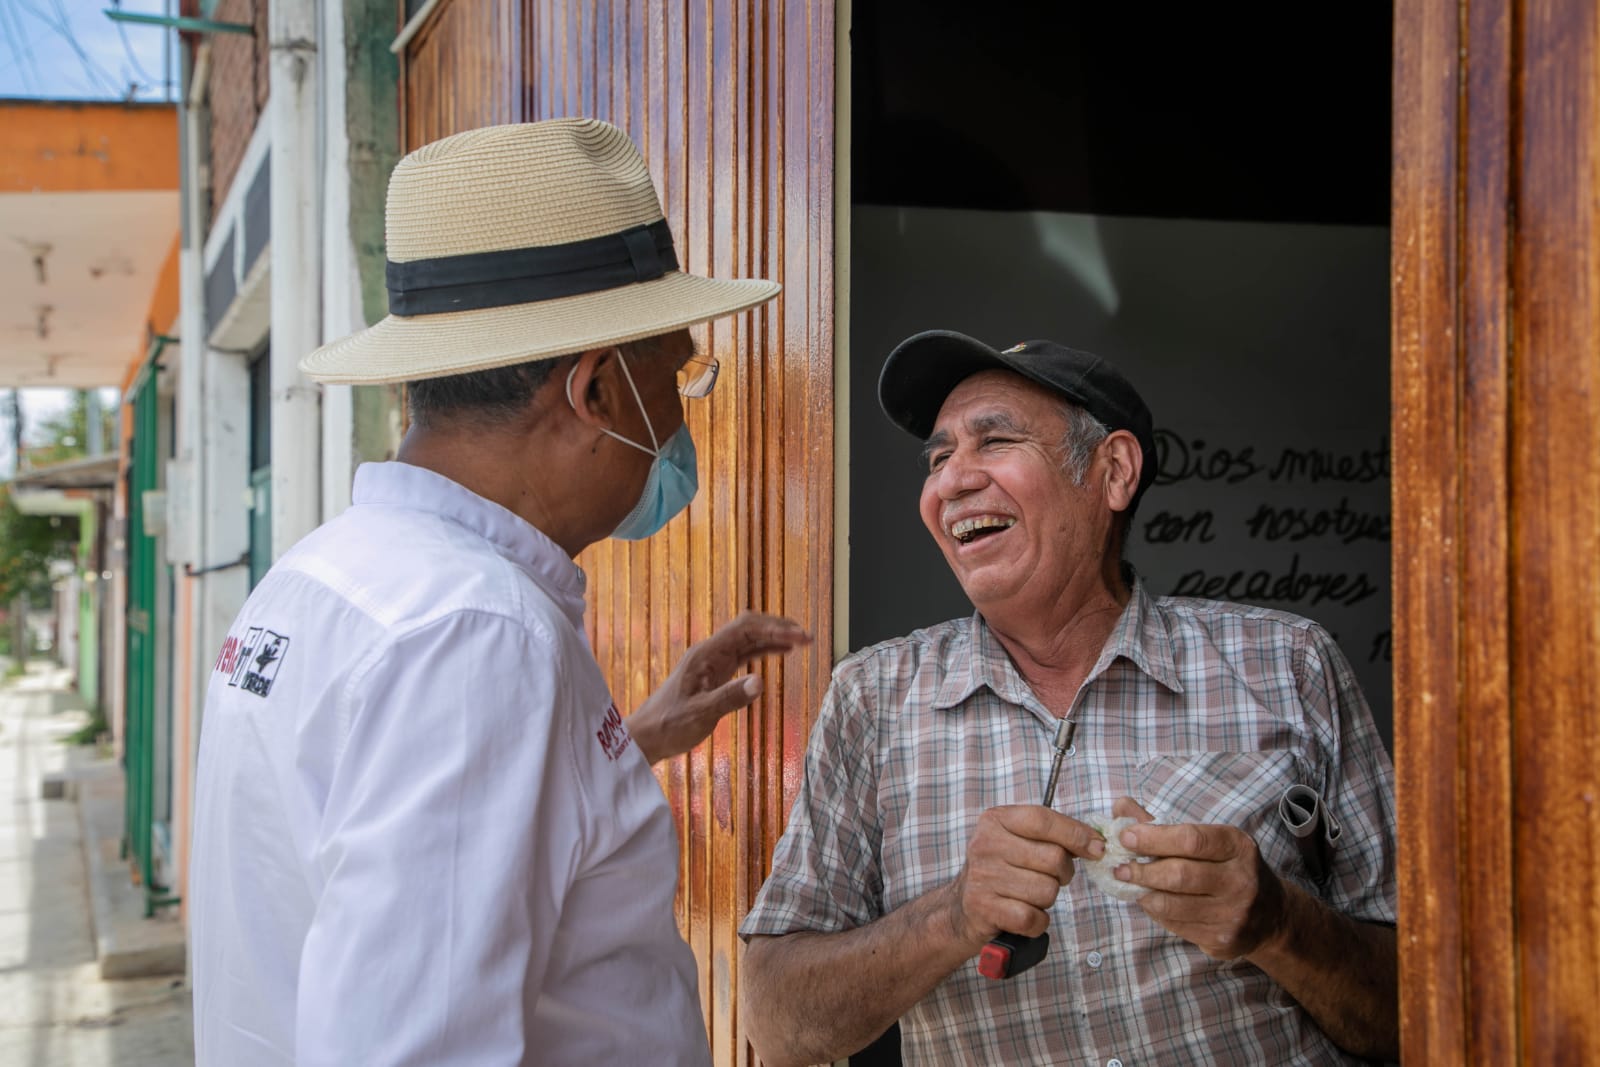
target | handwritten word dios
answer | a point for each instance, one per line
(1179, 460)
(1294, 586)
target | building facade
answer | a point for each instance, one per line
(1485, 425)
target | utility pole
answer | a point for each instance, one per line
(19, 603)
(93, 444)
(16, 432)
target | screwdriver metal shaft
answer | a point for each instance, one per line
(1008, 954)
(1065, 729)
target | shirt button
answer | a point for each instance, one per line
(1095, 959)
(1113, 1062)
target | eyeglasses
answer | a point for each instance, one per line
(696, 377)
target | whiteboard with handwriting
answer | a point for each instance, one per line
(1262, 349)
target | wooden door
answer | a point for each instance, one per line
(1497, 528)
(731, 102)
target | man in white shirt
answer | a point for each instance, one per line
(424, 833)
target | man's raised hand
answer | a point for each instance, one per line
(702, 689)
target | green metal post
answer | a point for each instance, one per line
(139, 743)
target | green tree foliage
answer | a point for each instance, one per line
(65, 435)
(27, 545)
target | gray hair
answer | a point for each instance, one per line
(499, 395)
(1084, 434)
(480, 398)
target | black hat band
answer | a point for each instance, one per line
(527, 275)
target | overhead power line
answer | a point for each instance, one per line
(90, 67)
(21, 50)
(127, 48)
(99, 81)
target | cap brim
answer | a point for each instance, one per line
(921, 372)
(409, 348)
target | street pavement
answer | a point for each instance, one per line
(54, 1007)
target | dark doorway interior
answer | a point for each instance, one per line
(1262, 113)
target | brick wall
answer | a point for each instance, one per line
(238, 91)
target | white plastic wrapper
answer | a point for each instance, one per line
(1102, 872)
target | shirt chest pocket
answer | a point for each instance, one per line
(1239, 789)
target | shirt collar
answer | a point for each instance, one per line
(1141, 636)
(978, 659)
(401, 485)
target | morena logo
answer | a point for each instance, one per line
(613, 735)
(251, 662)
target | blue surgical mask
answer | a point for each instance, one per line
(672, 481)
(668, 488)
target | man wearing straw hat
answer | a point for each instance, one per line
(424, 833)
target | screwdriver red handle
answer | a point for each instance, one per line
(1008, 955)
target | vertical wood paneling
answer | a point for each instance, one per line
(453, 80)
(1555, 528)
(1497, 528)
(1426, 528)
(731, 102)
(1487, 930)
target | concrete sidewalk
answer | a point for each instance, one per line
(55, 1008)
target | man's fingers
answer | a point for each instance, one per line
(1180, 876)
(708, 664)
(775, 634)
(747, 637)
(731, 696)
(1215, 844)
(1049, 859)
(1000, 895)
(1026, 886)
(1129, 808)
(1035, 822)
(754, 633)
(1191, 917)
(1019, 917)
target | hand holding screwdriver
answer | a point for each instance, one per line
(1008, 954)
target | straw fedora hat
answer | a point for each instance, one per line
(514, 243)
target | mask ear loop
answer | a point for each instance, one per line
(656, 450)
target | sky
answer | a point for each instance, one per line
(38, 406)
(70, 50)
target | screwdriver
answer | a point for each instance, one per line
(1008, 954)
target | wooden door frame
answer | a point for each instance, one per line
(1496, 429)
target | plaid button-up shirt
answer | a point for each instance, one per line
(1205, 712)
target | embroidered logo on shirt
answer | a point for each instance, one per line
(613, 735)
(251, 662)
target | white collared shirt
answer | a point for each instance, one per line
(422, 833)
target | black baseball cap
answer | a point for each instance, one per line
(925, 368)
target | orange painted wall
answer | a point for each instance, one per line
(60, 147)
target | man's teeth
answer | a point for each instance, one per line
(965, 530)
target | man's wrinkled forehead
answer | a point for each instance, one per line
(1005, 394)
